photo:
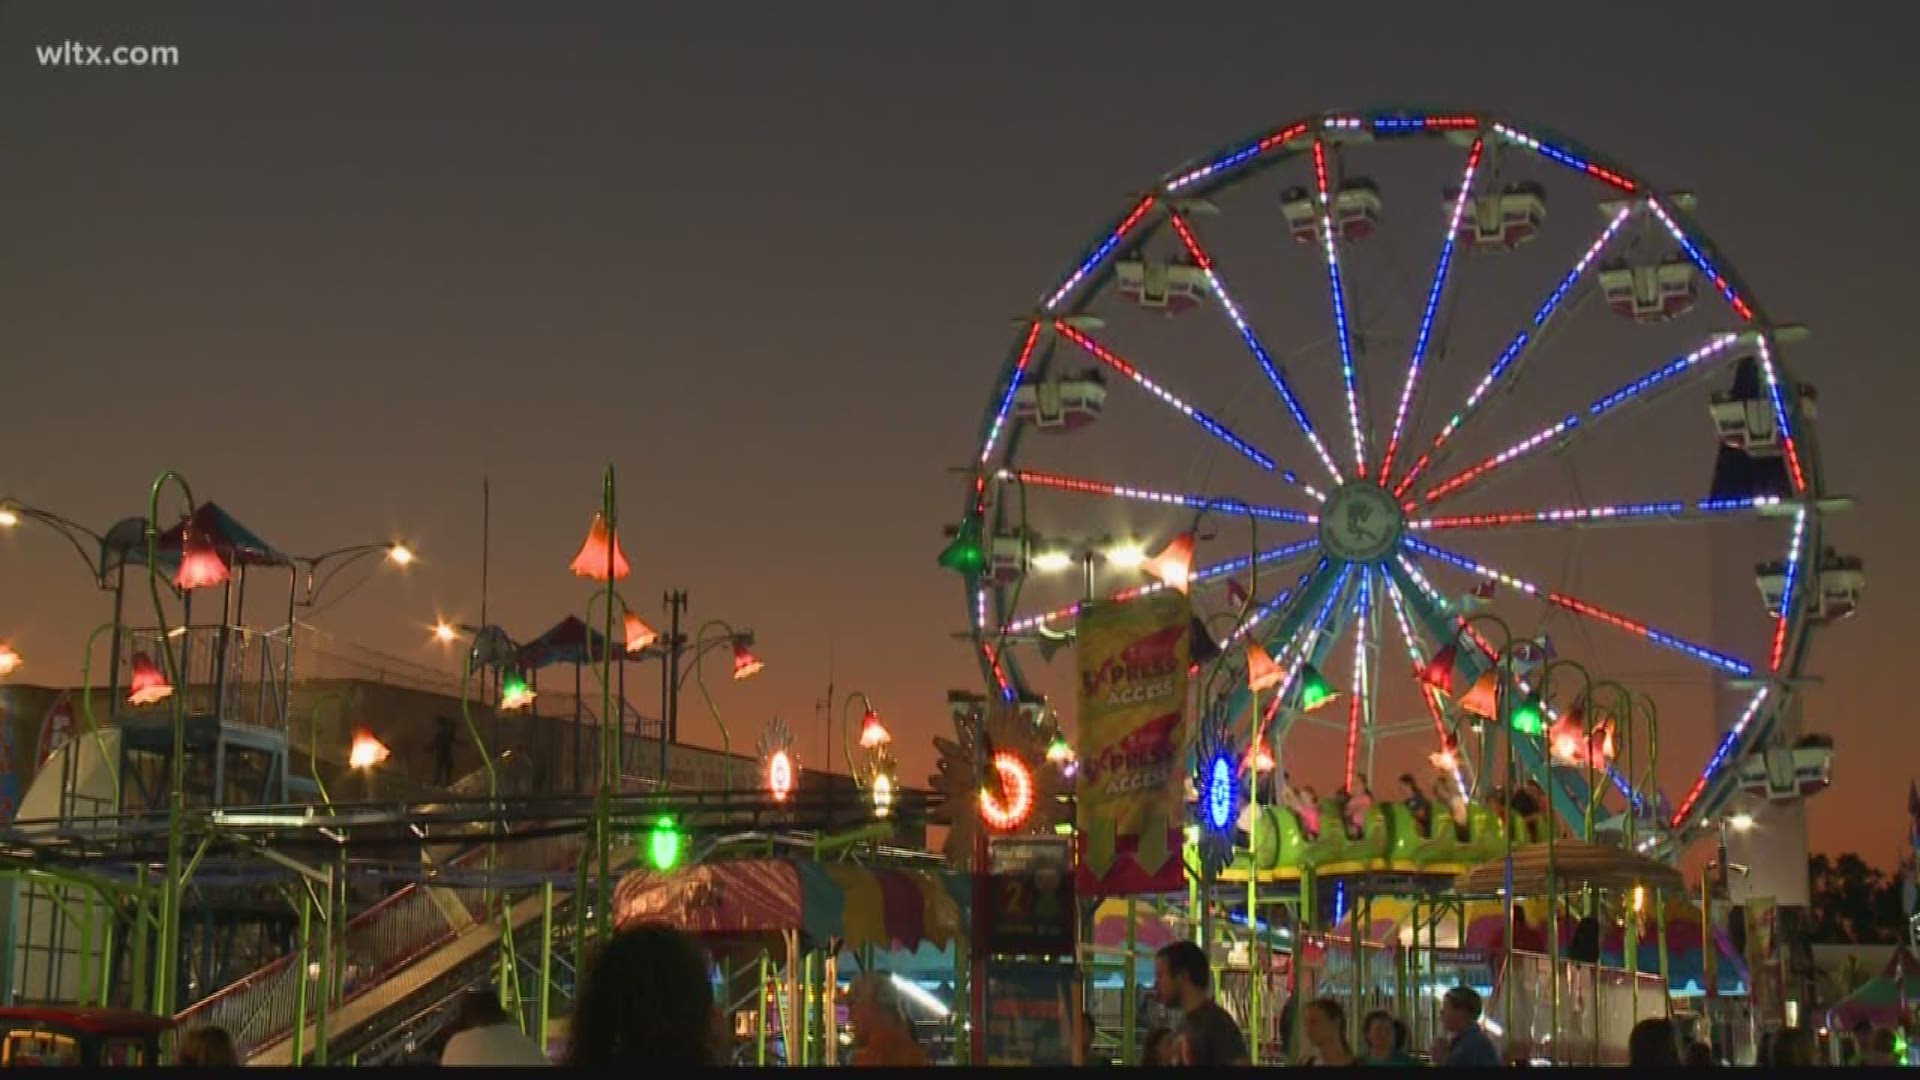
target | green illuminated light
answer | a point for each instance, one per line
(663, 847)
(1529, 717)
(966, 554)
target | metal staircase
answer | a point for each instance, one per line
(383, 1006)
(383, 938)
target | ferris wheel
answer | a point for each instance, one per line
(1360, 379)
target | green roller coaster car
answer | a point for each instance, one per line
(1391, 841)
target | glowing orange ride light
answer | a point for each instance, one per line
(1017, 782)
(367, 751)
(780, 775)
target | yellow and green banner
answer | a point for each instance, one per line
(1133, 657)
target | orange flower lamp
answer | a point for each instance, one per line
(1262, 672)
(200, 565)
(149, 684)
(639, 635)
(745, 664)
(873, 733)
(594, 561)
(1174, 564)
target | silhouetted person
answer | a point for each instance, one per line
(207, 1047)
(1466, 1043)
(1157, 1049)
(1700, 1055)
(645, 1003)
(1383, 1040)
(880, 1024)
(1878, 1051)
(486, 1035)
(1182, 980)
(1326, 1023)
(1653, 1043)
(1792, 1049)
(444, 740)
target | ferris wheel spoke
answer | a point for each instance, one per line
(1721, 283)
(1789, 595)
(1330, 245)
(1202, 577)
(1275, 374)
(1204, 503)
(1360, 707)
(1669, 512)
(1310, 648)
(1508, 362)
(1213, 427)
(1558, 435)
(1712, 785)
(1429, 697)
(1272, 608)
(1569, 602)
(1435, 292)
(1778, 400)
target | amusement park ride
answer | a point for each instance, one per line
(1332, 552)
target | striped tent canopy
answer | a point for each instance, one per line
(1486, 928)
(1886, 999)
(568, 641)
(861, 906)
(1577, 864)
(236, 544)
(1151, 929)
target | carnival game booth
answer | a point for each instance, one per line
(784, 931)
(1566, 1006)
(1886, 1000)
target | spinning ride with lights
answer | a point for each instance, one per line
(1020, 794)
(1323, 551)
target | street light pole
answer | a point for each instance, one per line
(399, 553)
(676, 602)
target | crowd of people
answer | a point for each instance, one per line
(1206, 1034)
(646, 1001)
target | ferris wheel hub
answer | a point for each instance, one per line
(1361, 522)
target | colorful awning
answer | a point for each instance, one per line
(236, 544)
(861, 906)
(1885, 999)
(569, 641)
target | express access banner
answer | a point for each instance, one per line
(1131, 796)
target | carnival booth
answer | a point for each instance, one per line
(1886, 1000)
(784, 933)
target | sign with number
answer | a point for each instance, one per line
(1031, 909)
(1030, 1013)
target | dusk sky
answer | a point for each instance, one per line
(344, 262)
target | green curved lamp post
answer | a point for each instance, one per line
(166, 970)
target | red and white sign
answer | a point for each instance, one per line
(56, 729)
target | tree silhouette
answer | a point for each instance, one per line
(1854, 903)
